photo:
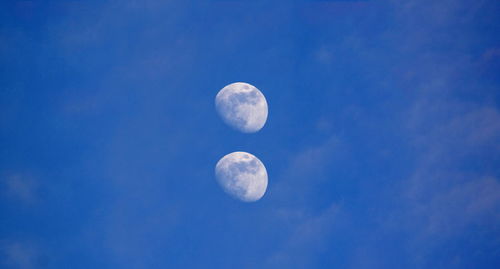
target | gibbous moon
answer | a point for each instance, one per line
(242, 106)
(242, 175)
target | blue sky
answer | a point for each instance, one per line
(382, 143)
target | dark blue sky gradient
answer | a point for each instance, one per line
(382, 143)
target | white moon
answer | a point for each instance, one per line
(242, 175)
(242, 106)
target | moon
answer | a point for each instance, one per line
(242, 176)
(242, 106)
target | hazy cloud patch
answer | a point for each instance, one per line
(20, 187)
(20, 255)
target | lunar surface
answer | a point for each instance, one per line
(242, 106)
(242, 175)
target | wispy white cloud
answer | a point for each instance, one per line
(444, 197)
(305, 241)
(452, 188)
(20, 255)
(20, 187)
(308, 229)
